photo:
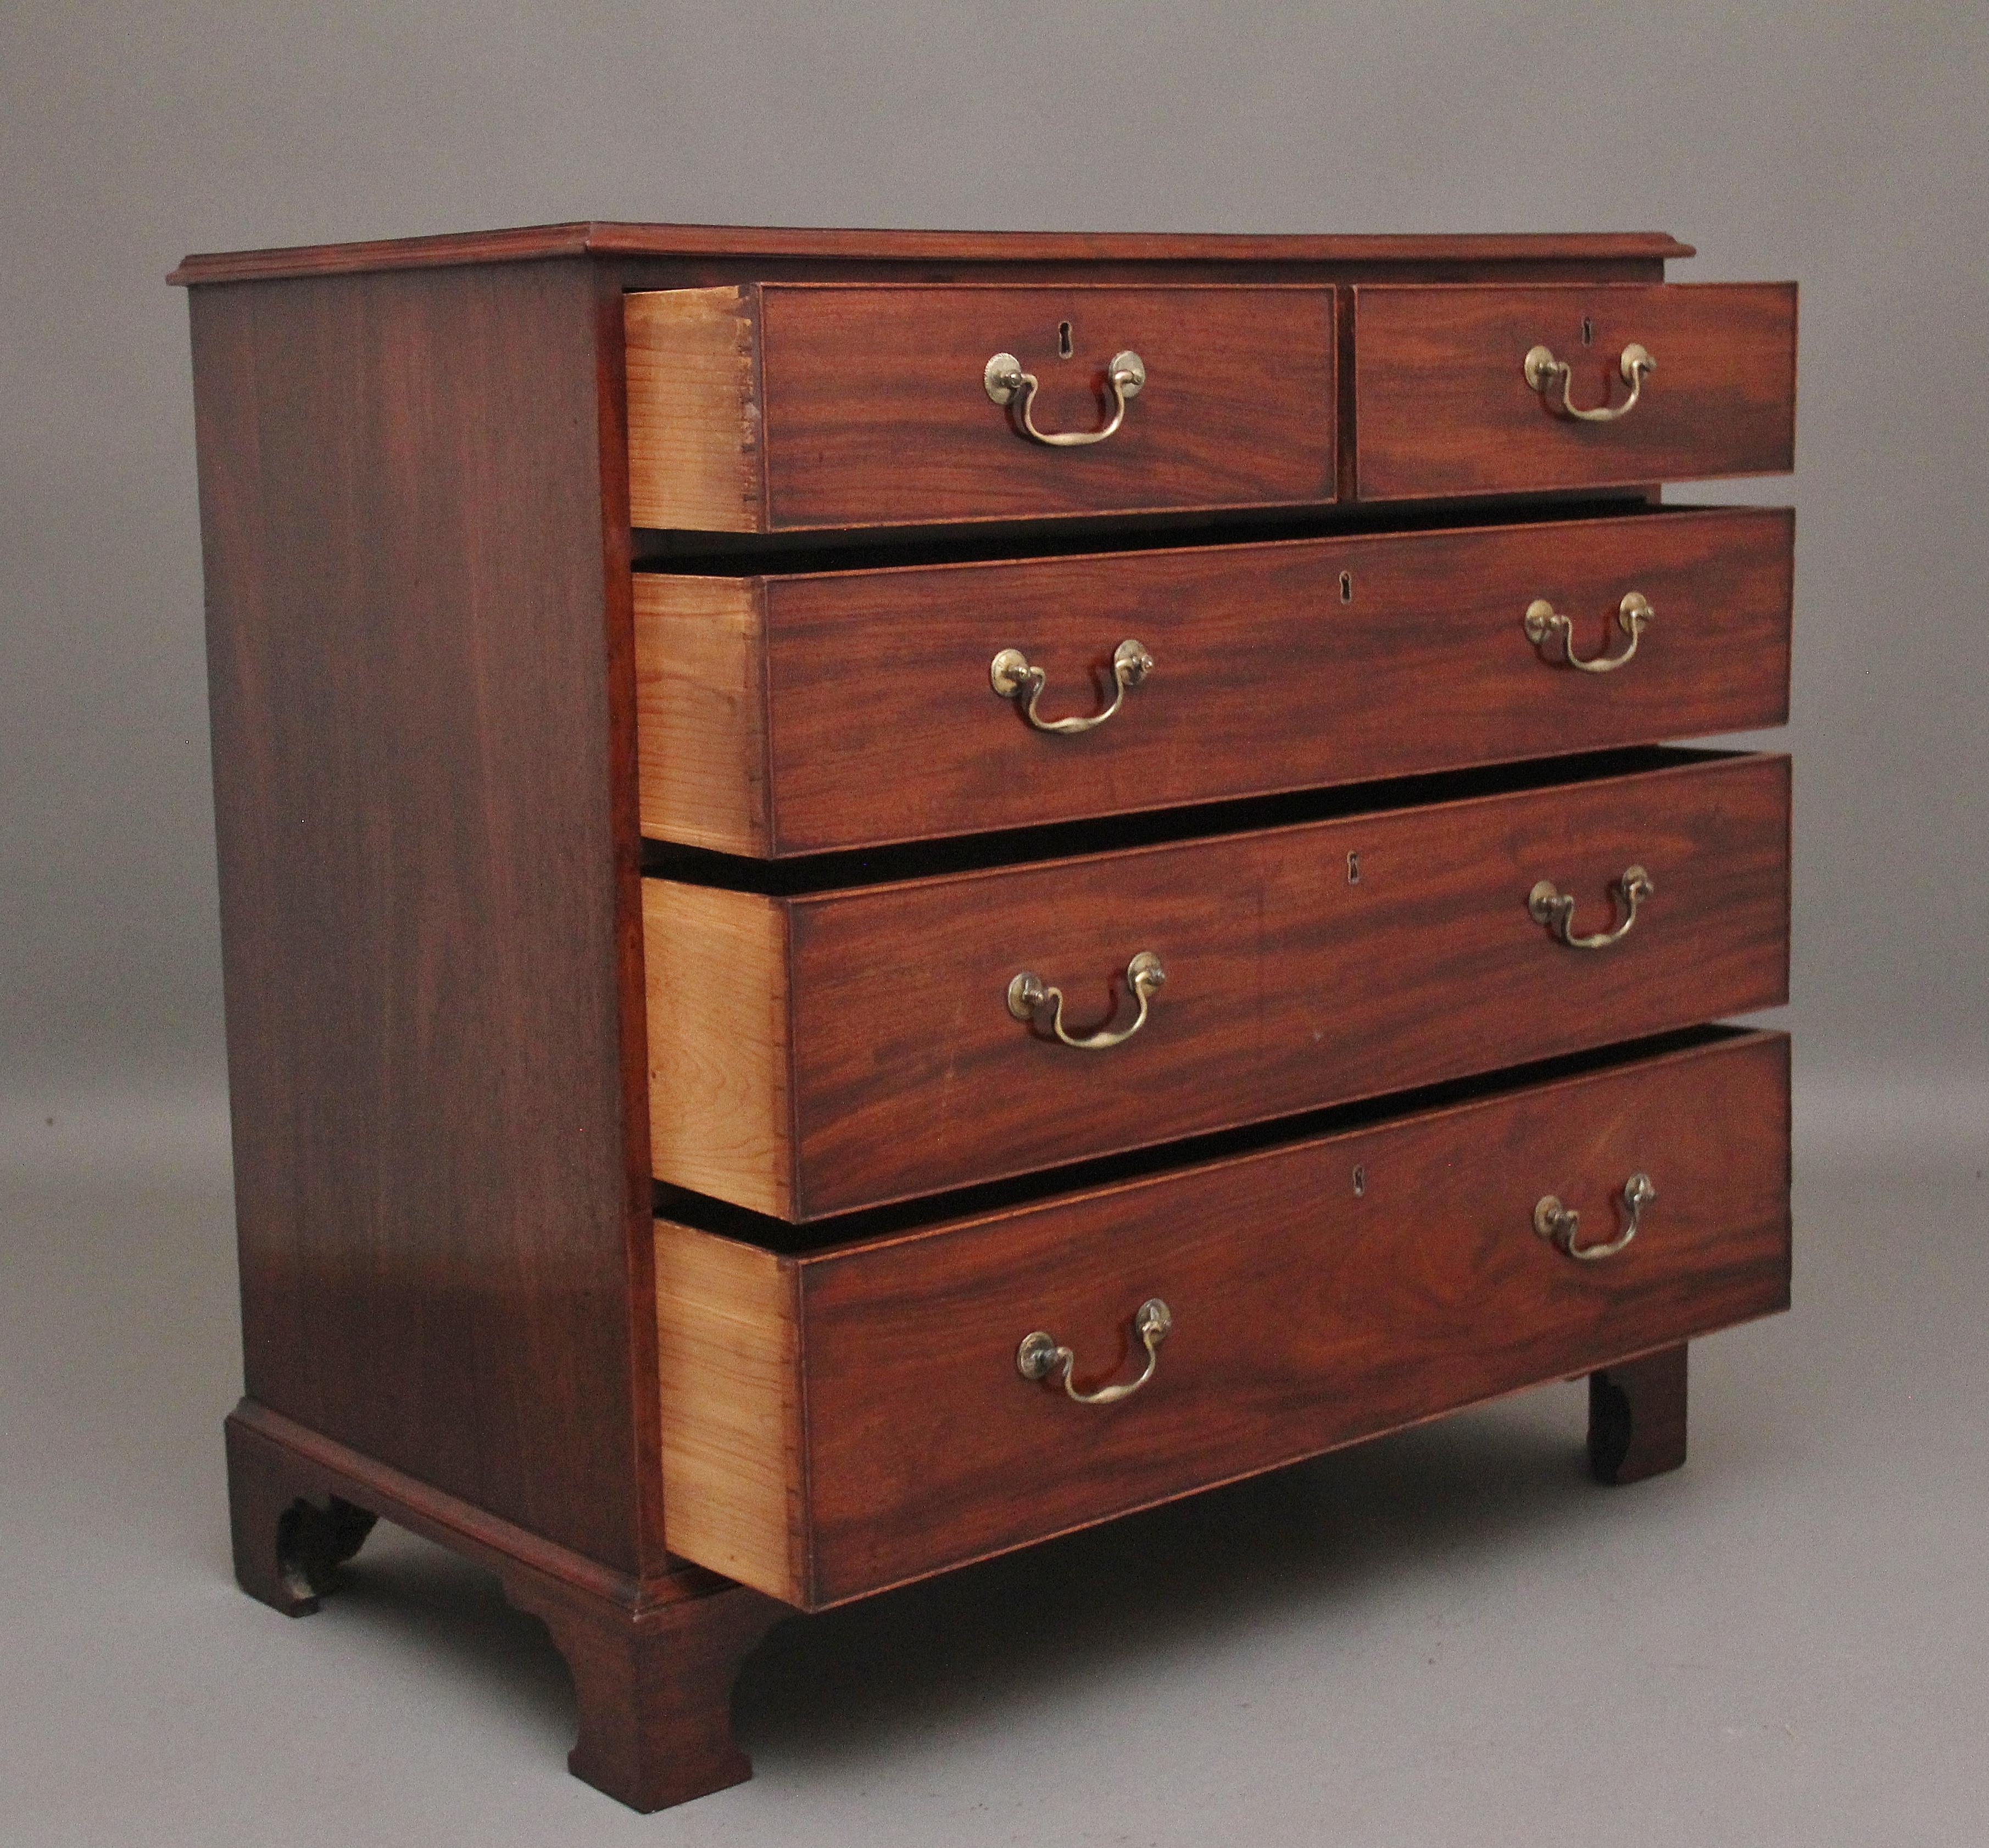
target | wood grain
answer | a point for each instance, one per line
(596, 239)
(880, 725)
(424, 796)
(701, 700)
(1289, 986)
(730, 1394)
(694, 409)
(1306, 1314)
(1442, 405)
(720, 1038)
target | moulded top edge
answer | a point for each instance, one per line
(594, 238)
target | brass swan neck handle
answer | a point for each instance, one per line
(1012, 677)
(1547, 904)
(1028, 994)
(1544, 623)
(1546, 374)
(1561, 1225)
(1004, 381)
(1042, 1355)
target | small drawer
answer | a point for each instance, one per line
(824, 1050)
(1451, 396)
(781, 407)
(837, 1422)
(800, 713)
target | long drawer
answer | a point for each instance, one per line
(837, 1422)
(823, 1050)
(782, 407)
(797, 713)
(1464, 389)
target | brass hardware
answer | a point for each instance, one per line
(1558, 1224)
(1010, 676)
(1041, 1355)
(1028, 994)
(1544, 372)
(1006, 382)
(1633, 613)
(1547, 904)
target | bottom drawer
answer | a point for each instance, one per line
(842, 1421)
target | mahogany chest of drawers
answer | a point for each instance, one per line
(885, 893)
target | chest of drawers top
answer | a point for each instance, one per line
(1073, 255)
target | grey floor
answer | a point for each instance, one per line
(1447, 1636)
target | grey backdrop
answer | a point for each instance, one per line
(1396, 1645)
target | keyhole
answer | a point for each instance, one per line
(1359, 1182)
(1345, 586)
(1063, 339)
(1353, 869)
(1588, 331)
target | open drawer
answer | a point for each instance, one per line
(780, 713)
(830, 1044)
(841, 1421)
(793, 407)
(1482, 388)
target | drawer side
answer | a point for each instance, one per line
(700, 711)
(729, 1366)
(716, 970)
(693, 410)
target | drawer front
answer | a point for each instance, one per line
(1443, 405)
(796, 714)
(827, 406)
(811, 1055)
(841, 1422)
